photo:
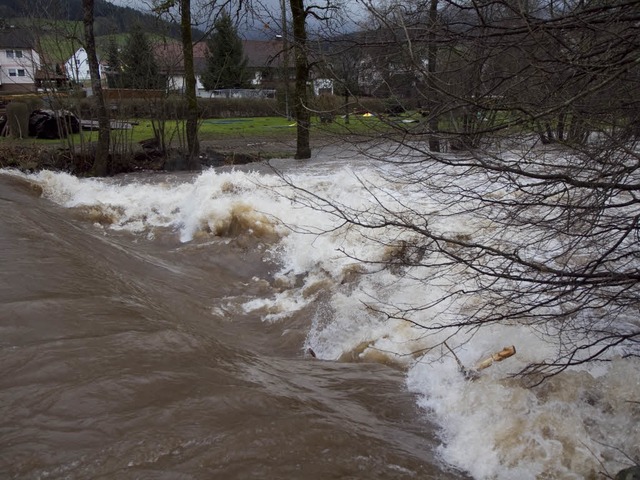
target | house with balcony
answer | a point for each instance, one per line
(19, 61)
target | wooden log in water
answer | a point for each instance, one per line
(473, 373)
(506, 352)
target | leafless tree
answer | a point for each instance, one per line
(101, 162)
(531, 134)
(55, 42)
(165, 7)
(301, 102)
(193, 145)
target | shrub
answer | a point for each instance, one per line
(326, 107)
(175, 106)
(237, 107)
(18, 119)
(368, 104)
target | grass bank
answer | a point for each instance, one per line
(223, 141)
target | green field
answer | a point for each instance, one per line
(275, 128)
(209, 129)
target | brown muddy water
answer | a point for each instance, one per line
(117, 362)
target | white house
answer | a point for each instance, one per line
(19, 61)
(264, 65)
(77, 67)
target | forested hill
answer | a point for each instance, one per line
(109, 19)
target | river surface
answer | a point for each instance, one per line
(158, 326)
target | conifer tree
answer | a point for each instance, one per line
(139, 67)
(226, 62)
(113, 60)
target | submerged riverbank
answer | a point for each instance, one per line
(242, 147)
(32, 157)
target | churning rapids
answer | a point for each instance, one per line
(159, 326)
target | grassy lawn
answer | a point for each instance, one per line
(212, 129)
(275, 127)
(369, 124)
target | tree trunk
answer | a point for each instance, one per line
(432, 54)
(346, 105)
(562, 118)
(101, 161)
(299, 15)
(193, 145)
(285, 48)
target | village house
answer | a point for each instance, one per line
(77, 68)
(170, 63)
(265, 63)
(19, 61)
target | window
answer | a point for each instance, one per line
(9, 53)
(21, 72)
(13, 72)
(17, 72)
(14, 53)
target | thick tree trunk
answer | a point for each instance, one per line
(101, 161)
(432, 53)
(193, 145)
(285, 48)
(299, 15)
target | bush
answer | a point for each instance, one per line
(82, 107)
(370, 104)
(34, 103)
(18, 119)
(326, 107)
(237, 107)
(175, 106)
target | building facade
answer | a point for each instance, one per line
(19, 61)
(77, 68)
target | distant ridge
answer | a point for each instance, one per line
(110, 19)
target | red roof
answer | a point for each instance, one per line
(259, 53)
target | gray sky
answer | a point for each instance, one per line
(271, 13)
(144, 4)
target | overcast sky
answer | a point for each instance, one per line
(144, 4)
(267, 26)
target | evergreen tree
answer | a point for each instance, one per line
(226, 62)
(139, 67)
(113, 60)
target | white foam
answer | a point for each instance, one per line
(492, 427)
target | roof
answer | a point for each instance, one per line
(12, 37)
(81, 55)
(169, 57)
(259, 53)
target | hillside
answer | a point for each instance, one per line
(57, 25)
(109, 19)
